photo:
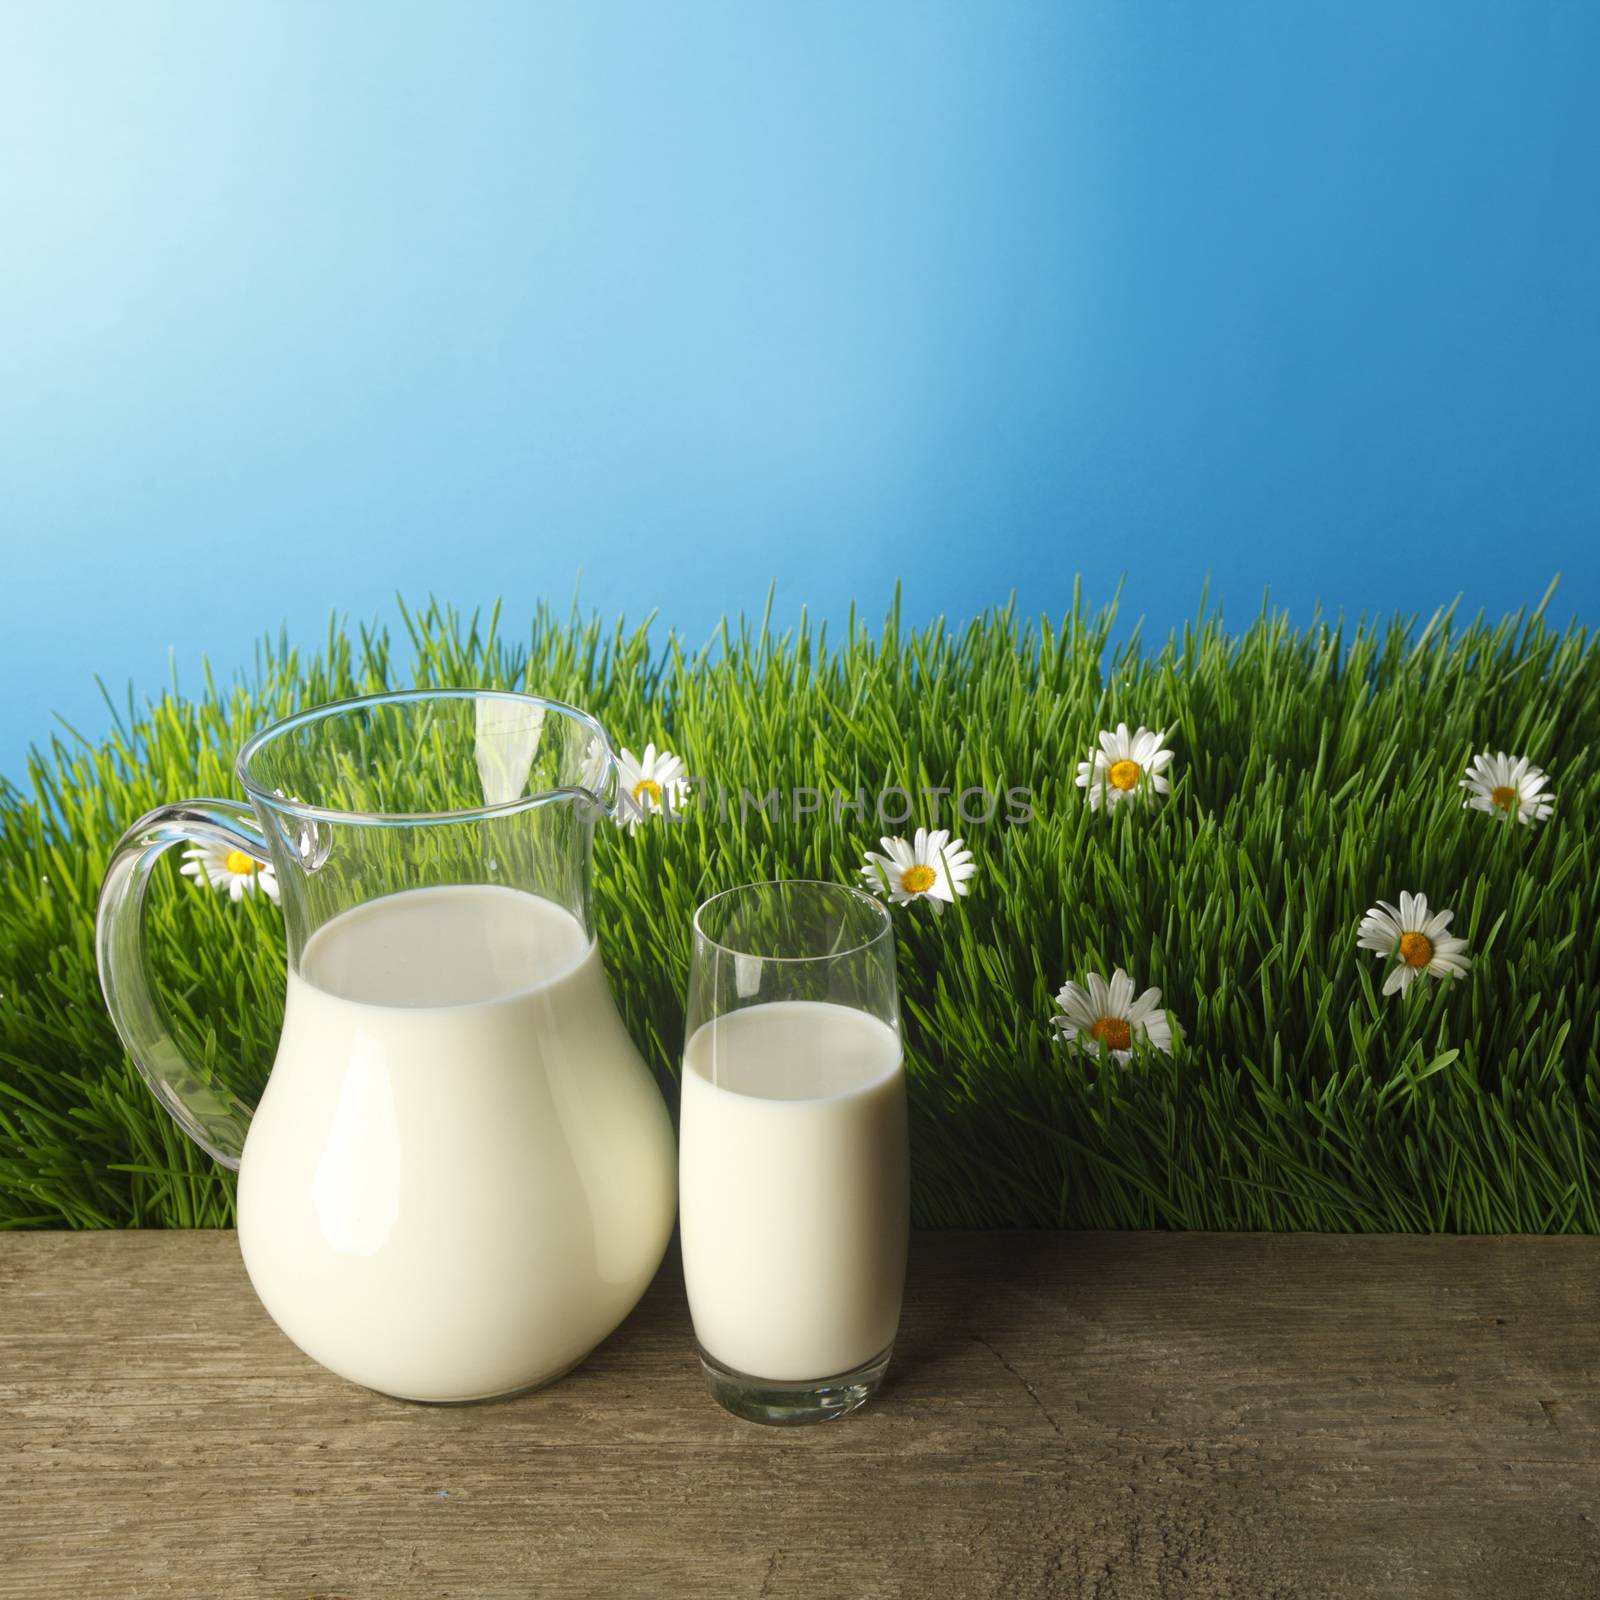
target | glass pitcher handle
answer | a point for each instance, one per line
(210, 1113)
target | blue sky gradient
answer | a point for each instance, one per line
(301, 306)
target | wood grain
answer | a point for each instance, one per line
(1105, 1415)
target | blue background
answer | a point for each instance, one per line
(301, 305)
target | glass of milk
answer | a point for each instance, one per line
(793, 1173)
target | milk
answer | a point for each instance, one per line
(460, 1178)
(793, 1188)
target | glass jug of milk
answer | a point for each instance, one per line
(461, 1175)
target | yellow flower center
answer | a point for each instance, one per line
(241, 865)
(1125, 775)
(1505, 797)
(1416, 949)
(1113, 1032)
(918, 880)
(647, 790)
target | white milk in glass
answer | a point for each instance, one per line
(793, 1188)
(455, 1185)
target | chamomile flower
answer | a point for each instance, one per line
(1126, 766)
(654, 784)
(1418, 940)
(230, 870)
(592, 769)
(932, 867)
(1096, 1014)
(1508, 784)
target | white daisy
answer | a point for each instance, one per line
(932, 867)
(592, 769)
(1126, 766)
(232, 870)
(1511, 784)
(652, 784)
(1096, 1014)
(1420, 941)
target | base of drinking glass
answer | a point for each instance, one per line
(789, 1403)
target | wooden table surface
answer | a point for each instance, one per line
(1068, 1414)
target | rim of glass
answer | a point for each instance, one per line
(879, 911)
(276, 801)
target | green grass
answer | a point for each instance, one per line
(1317, 772)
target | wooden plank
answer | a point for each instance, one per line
(1069, 1414)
